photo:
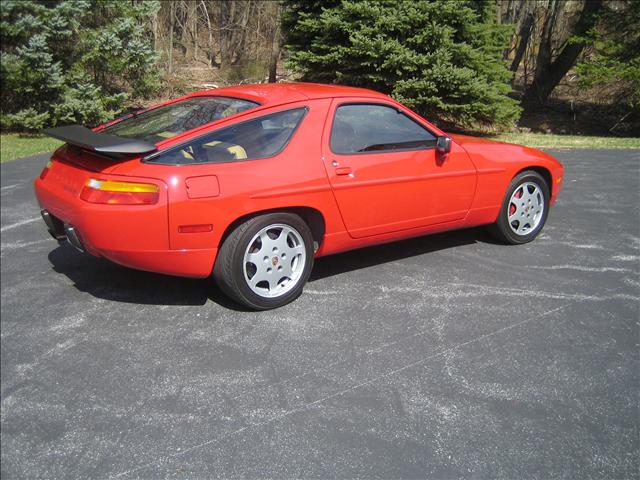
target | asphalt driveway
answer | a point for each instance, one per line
(446, 356)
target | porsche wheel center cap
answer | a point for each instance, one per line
(275, 261)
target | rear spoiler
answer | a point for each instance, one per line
(100, 142)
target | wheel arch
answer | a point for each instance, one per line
(543, 171)
(311, 216)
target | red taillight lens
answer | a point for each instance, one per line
(45, 170)
(120, 193)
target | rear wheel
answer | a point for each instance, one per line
(266, 261)
(524, 210)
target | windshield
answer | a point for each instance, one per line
(170, 120)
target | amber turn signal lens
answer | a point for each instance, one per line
(120, 193)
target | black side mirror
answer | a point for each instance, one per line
(443, 145)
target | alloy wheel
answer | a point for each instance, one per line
(526, 208)
(274, 260)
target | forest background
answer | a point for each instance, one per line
(487, 66)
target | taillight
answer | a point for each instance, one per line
(120, 193)
(45, 170)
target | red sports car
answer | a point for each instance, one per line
(251, 183)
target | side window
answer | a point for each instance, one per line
(261, 137)
(359, 128)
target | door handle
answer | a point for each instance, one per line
(343, 171)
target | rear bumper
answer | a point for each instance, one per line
(182, 263)
(130, 235)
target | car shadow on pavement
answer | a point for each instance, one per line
(109, 281)
(397, 250)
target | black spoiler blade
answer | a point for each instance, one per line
(100, 142)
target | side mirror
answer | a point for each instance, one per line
(443, 145)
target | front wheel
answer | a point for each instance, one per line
(524, 209)
(266, 261)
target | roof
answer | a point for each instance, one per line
(277, 93)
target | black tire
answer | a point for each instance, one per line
(229, 270)
(501, 229)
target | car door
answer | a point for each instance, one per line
(385, 172)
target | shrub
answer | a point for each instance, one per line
(442, 58)
(73, 61)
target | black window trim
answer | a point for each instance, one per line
(179, 146)
(378, 152)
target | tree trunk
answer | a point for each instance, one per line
(225, 13)
(172, 15)
(524, 34)
(194, 29)
(189, 17)
(510, 12)
(544, 49)
(275, 51)
(154, 28)
(240, 33)
(548, 76)
(211, 54)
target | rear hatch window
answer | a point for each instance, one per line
(170, 120)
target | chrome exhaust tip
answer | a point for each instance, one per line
(73, 237)
(55, 226)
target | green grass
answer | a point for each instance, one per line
(13, 145)
(548, 140)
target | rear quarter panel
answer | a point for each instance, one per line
(293, 178)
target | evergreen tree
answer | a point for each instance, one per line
(72, 61)
(442, 58)
(614, 56)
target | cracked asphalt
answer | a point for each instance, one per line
(447, 356)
